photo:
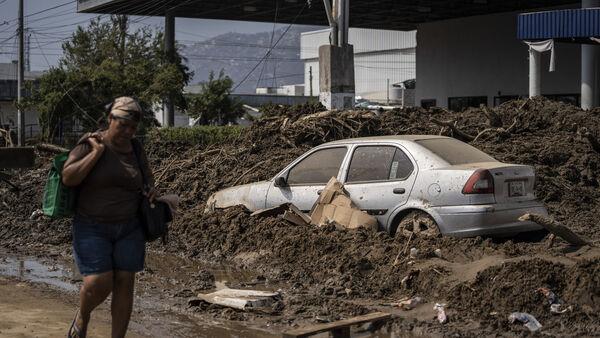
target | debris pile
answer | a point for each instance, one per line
(331, 268)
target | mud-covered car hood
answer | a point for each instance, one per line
(252, 196)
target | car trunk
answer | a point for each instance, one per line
(513, 183)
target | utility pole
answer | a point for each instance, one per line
(20, 113)
(168, 105)
(310, 80)
(388, 92)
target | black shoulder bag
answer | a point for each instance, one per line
(155, 216)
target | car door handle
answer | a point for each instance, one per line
(399, 191)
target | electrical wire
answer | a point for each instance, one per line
(270, 50)
(66, 92)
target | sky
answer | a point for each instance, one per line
(50, 27)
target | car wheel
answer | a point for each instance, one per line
(418, 223)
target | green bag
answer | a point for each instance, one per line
(59, 200)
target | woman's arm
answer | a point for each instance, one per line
(78, 167)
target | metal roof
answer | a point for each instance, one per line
(380, 14)
(571, 25)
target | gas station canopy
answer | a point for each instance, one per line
(378, 14)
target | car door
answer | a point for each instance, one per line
(379, 178)
(306, 177)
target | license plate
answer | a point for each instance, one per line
(516, 189)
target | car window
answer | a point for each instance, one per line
(455, 152)
(318, 167)
(378, 163)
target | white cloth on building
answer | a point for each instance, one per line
(543, 46)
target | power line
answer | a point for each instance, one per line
(66, 92)
(270, 50)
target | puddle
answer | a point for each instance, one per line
(177, 269)
(33, 271)
(156, 315)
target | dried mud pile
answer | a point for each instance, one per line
(333, 273)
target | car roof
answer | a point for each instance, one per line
(411, 138)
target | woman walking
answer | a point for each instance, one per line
(108, 240)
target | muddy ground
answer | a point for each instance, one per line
(327, 274)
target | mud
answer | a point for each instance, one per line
(328, 274)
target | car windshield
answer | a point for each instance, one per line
(454, 151)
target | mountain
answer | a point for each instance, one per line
(237, 54)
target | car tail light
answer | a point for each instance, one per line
(481, 182)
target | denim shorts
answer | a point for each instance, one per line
(100, 247)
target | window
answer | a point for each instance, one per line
(428, 103)
(454, 151)
(461, 103)
(318, 167)
(574, 99)
(379, 163)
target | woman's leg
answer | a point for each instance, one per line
(93, 292)
(122, 302)
(128, 258)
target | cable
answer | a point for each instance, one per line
(66, 92)
(270, 50)
(270, 42)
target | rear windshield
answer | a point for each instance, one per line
(455, 152)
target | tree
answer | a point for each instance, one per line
(214, 104)
(101, 62)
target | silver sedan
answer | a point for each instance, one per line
(410, 183)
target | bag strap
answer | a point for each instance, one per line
(137, 151)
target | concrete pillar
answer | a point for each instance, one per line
(590, 68)
(336, 76)
(168, 106)
(535, 73)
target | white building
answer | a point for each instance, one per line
(381, 59)
(287, 90)
(479, 60)
(8, 96)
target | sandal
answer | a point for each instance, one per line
(74, 331)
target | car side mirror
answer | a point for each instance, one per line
(280, 181)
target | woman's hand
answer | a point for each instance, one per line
(151, 194)
(95, 141)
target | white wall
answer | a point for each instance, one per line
(481, 56)
(379, 55)
(8, 115)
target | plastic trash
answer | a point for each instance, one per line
(409, 304)
(528, 320)
(441, 313)
(414, 252)
(36, 214)
(550, 296)
(556, 304)
(559, 308)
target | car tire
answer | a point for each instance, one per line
(418, 223)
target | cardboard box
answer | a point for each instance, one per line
(334, 205)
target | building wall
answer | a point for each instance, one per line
(363, 40)
(379, 55)
(8, 116)
(481, 56)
